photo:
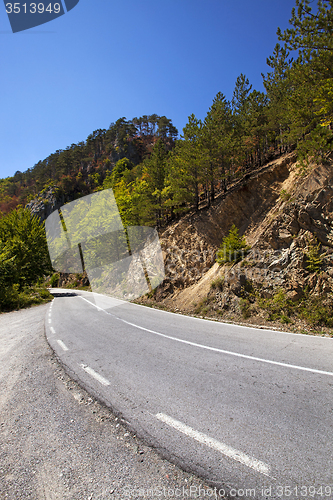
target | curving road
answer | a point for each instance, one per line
(249, 410)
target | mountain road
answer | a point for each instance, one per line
(249, 410)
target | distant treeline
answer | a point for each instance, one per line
(156, 176)
(80, 167)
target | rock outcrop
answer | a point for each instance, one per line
(45, 203)
(286, 216)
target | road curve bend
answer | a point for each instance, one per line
(248, 409)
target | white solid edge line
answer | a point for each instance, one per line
(226, 450)
(52, 329)
(92, 304)
(62, 345)
(215, 349)
(252, 327)
(94, 374)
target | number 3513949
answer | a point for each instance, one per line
(33, 8)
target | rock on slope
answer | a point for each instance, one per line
(286, 215)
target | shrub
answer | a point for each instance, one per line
(279, 307)
(244, 305)
(217, 283)
(317, 313)
(314, 259)
(12, 298)
(54, 280)
(233, 247)
(284, 195)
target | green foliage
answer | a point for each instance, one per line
(216, 139)
(317, 312)
(314, 258)
(24, 258)
(233, 247)
(121, 168)
(284, 195)
(187, 164)
(218, 283)
(154, 172)
(23, 249)
(12, 298)
(316, 146)
(54, 281)
(279, 307)
(308, 81)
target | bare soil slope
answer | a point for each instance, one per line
(285, 213)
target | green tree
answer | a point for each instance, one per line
(279, 88)
(233, 247)
(121, 168)
(24, 252)
(257, 126)
(186, 165)
(166, 128)
(311, 34)
(241, 111)
(155, 170)
(216, 139)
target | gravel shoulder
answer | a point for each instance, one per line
(57, 442)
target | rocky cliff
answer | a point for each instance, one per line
(285, 213)
(45, 203)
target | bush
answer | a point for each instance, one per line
(314, 259)
(54, 281)
(233, 247)
(12, 298)
(279, 307)
(244, 305)
(317, 313)
(218, 283)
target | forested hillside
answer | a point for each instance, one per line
(81, 168)
(157, 177)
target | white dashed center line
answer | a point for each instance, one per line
(226, 450)
(62, 345)
(94, 374)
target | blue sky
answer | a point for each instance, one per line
(106, 59)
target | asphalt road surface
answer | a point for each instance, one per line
(57, 442)
(249, 410)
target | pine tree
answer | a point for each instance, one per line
(216, 139)
(311, 35)
(187, 165)
(241, 109)
(155, 170)
(233, 247)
